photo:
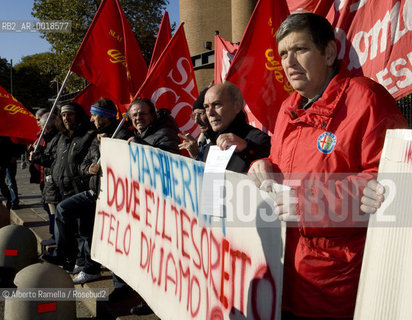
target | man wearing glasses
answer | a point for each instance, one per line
(155, 128)
(196, 148)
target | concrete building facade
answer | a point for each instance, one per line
(203, 17)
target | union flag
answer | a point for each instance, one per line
(109, 56)
(225, 51)
(256, 69)
(16, 121)
(87, 96)
(163, 37)
(171, 83)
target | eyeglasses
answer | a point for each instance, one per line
(138, 114)
(198, 114)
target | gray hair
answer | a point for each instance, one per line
(234, 92)
(41, 112)
(318, 27)
(44, 117)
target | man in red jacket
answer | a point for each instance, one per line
(326, 144)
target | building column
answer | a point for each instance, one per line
(241, 12)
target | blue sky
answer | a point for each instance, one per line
(17, 45)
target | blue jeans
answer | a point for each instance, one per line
(51, 216)
(11, 171)
(5, 191)
(75, 215)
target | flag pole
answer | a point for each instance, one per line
(118, 128)
(52, 109)
(120, 123)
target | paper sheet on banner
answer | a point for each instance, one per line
(385, 286)
(214, 180)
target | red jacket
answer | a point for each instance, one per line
(329, 151)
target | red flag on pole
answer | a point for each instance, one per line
(109, 55)
(163, 37)
(88, 95)
(172, 84)
(256, 68)
(374, 45)
(16, 121)
(225, 51)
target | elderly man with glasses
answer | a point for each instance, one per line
(194, 147)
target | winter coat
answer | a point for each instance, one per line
(7, 150)
(258, 144)
(162, 133)
(203, 140)
(70, 152)
(93, 155)
(45, 156)
(342, 132)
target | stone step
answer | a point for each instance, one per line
(25, 216)
(4, 215)
(86, 309)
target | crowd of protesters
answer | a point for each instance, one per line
(352, 113)
(68, 160)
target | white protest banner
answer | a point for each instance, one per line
(385, 285)
(149, 231)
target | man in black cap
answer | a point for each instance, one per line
(195, 147)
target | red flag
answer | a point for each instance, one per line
(15, 120)
(172, 84)
(256, 68)
(225, 51)
(163, 37)
(308, 5)
(89, 95)
(109, 56)
(374, 45)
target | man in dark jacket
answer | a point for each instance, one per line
(73, 144)
(156, 129)
(45, 156)
(224, 109)
(5, 157)
(80, 208)
(159, 130)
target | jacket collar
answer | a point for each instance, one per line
(210, 135)
(321, 112)
(110, 128)
(238, 124)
